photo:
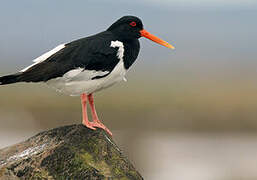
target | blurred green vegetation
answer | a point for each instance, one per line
(155, 103)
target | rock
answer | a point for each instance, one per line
(66, 153)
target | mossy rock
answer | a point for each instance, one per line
(66, 153)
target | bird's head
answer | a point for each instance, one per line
(131, 27)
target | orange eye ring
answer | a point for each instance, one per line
(133, 23)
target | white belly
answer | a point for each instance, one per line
(81, 82)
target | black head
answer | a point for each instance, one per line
(127, 27)
(130, 27)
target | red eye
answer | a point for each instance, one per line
(133, 23)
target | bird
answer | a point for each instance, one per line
(87, 65)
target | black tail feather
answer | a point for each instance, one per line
(9, 79)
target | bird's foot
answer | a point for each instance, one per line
(102, 126)
(89, 125)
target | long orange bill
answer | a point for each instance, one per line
(152, 37)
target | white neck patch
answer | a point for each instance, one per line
(120, 45)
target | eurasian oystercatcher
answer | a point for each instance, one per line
(90, 64)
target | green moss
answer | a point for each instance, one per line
(109, 166)
(100, 165)
(2, 170)
(41, 174)
(124, 178)
(87, 157)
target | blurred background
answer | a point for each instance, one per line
(185, 114)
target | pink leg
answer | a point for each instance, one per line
(85, 121)
(96, 121)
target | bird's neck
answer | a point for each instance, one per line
(131, 51)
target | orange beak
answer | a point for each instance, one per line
(152, 37)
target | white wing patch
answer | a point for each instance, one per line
(80, 74)
(44, 56)
(72, 73)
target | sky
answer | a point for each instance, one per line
(205, 2)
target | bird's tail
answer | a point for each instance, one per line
(9, 79)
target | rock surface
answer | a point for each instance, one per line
(66, 153)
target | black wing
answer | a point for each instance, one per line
(91, 53)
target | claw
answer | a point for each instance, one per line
(89, 125)
(102, 126)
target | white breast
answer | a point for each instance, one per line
(78, 81)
